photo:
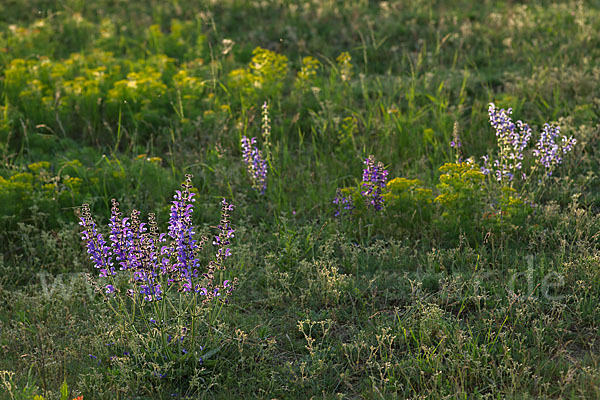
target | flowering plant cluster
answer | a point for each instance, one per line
(155, 266)
(307, 73)
(344, 64)
(461, 190)
(373, 182)
(370, 194)
(408, 199)
(89, 78)
(255, 163)
(265, 74)
(344, 204)
(513, 139)
(548, 151)
(157, 261)
(371, 191)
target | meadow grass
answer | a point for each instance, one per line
(460, 287)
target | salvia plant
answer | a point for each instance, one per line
(266, 131)
(372, 188)
(373, 182)
(456, 144)
(256, 164)
(344, 204)
(154, 282)
(513, 139)
(548, 151)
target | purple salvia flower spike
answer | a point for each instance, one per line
(255, 163)
(373, 182)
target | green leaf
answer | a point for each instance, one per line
(210, 353)
(64, 391)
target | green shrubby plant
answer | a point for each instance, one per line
(509, 212)
(54, 187)
(143, 92)
(263, 77)
(84, 92)
(462, 195)
(24, 88)
(181, 40)
(40, 187)
(26, 40)
(469, 203)
(189, 92)
(408, 201)
(306, 76)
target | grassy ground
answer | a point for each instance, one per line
(459, 288)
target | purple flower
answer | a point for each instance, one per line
(255, 163)
(181, 230)
(226, 232)
(512, 140)
(222, 241)
(120, 235)
(345, 204)
(373, 182)
(100, 253)
(133, 247)
(548, 151)
(155, 261)
(485, 169)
